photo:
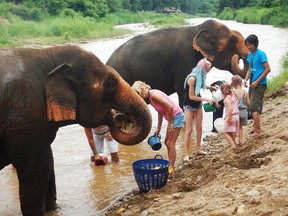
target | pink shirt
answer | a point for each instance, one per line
(161, 109)
(234, 103)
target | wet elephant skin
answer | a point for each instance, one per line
(163, 58)
(44, 89)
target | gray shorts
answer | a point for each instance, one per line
(243, 116)
(257, 97)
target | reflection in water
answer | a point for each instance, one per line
(84, 189)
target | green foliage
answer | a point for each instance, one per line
(67, 12)
(26, 12)
(171, 20)
(227, 14)
(277, 16)
(279, 81)
(114, 5)
(55, 6)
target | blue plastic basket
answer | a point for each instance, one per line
(151, 173)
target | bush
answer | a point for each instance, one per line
(227, 14)
(67, 12)
(27, 13)
(278, 82)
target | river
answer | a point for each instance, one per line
(84, 189)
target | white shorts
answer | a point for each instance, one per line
(99, 141)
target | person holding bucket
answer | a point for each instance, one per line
(168, 109)
(193, 104)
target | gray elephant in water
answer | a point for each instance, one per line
(44, 89)
(163, 58)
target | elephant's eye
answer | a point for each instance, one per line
(110, 83)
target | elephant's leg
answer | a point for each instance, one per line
(51, 190)
(34, 178)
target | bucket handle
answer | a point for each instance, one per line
(158, 136)
(158, 156)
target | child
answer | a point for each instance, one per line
(231, 126)
(243, 99)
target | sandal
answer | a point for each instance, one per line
(201, 153)
(186, 159)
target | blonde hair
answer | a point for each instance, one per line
(236, 80)
(226, 89)
(138, 85)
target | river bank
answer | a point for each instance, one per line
(250, 181)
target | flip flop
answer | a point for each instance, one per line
(201, 153)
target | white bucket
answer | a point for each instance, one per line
(219, 125)
(217, 95)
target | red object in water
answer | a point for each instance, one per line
(102, 161)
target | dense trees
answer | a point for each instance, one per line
(39, 9)
(35, 9)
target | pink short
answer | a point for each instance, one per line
(234, 127)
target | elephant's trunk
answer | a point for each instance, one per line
(236, 68)
(136, 130)
(137, 113)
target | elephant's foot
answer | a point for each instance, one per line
(51, 207)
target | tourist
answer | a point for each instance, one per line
(193, 105)
(96, 137)
(243, 100)
(168, 109)
(231, 127)
(257, 73)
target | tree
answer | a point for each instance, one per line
(146, 5)
(135, 5)
(114, 5)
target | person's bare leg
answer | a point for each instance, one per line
(229, 137)
(170, 142)
(256, 119)
(198, 126)
(188, 132)
(240, 133)
(114, 157)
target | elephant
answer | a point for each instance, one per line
(164, 57)
(43, 89)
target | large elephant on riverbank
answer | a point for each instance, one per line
(164, 57)
(44, 89)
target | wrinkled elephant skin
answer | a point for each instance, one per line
(44, 89)
(164, 57)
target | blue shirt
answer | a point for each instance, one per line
(256, 67)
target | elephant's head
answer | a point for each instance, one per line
(222, 46)
(85, 90)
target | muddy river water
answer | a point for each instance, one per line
(84, 189)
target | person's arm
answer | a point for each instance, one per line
(247, 98)
(247, 77)
(211, 88)
(191, 83)
(159, 124)
(89, 135)
(262, 76)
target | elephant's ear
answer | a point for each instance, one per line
(61, 99)
(202, 42)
